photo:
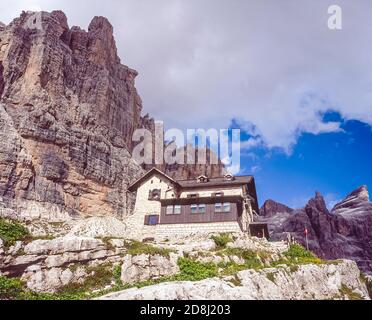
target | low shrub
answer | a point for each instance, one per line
(299, 255)
(191, 270)
(221, 240)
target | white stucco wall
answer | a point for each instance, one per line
(144, 206)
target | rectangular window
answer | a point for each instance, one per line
(151, 220)
(227, 207)
(177, 209)
(202, 208)
(169, 209)
(218, 207)
(174, 209)
(194, 208)
(218, 194)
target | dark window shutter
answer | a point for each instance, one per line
(147, 220)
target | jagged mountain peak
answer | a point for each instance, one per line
(361, 193)
(271, 208)
(356, 199)
(317, 203)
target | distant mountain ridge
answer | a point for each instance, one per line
(343, 232)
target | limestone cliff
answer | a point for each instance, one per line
(68, 108)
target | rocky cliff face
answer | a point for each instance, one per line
(212, 169)
(68, 109)
(345, 232)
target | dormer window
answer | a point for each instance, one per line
(154, 194)
(193, 195)
(202, 179)
(217, 194)
(229, 177)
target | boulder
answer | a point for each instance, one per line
(136, 268)
(50, 280)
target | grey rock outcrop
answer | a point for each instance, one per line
(40, 256)
(145, 267)
(307, 283)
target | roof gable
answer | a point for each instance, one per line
(152, 172)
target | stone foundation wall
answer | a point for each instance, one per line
(169, 230)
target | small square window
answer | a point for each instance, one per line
(218, 207)
(194, 208)
(169, 209)
(177, 209)
(153, 220)
(202, 208)
(227, 207)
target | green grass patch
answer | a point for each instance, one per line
(137, 248)
(191, 270)
(10, 289)
(117, 274)
(297, 255)
(231, 268)
(11, 231)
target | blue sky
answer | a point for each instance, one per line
(333, 163)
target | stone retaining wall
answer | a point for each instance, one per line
(169, 230)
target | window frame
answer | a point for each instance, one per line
(173, 210)
(148, 220)
(203, 205)
(197, 207)
(220, 204)
(194, 206)
(177, 212)
(224, 205)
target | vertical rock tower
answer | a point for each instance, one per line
(68, 108)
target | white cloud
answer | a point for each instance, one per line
(274, 65)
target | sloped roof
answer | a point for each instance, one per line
(134, 186)
(216, 182)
